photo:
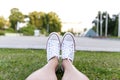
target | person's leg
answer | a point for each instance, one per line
(68, 49)
(53, 51)
(71, 73)
(47, 72)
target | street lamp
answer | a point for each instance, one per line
(106, 25)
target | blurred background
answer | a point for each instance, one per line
(91, 18)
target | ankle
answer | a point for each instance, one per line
(66, 63)
(53, 61)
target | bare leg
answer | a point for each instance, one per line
(71, 73)
(53, 51)
(45, 73)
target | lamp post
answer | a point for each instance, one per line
(106, 25)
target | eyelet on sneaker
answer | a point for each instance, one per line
(53, 46)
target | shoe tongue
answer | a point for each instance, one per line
(54, 41)
(68, 42)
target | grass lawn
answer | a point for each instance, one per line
(17, 64)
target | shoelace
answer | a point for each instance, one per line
(53, 47)
(68, 49)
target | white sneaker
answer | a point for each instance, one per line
(53, 46)
(68, 46)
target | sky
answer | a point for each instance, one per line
(80, 12)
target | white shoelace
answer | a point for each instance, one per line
(68, 50)
(53, 50)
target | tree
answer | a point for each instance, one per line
(115, 19)
(112, 24)
(49, 22)
(37, 19)
(16, 16)
(2, 22)
(53, 22)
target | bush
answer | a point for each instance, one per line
(2, 32)
(28, 30)
(10, 30)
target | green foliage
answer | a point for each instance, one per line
(2, 22)
(37, 19)
(15, 16)
(54, 22)
(49, 22)
(2, 32)
(43, 31)
(62, 33)
(46, 22)
(17, 64)
(28, 30)
(10, 30)
(112, 24)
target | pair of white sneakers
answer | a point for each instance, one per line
(67, 46)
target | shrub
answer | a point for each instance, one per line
(28, 30)
(10, 30)
(2, 32)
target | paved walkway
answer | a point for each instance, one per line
(82, 43)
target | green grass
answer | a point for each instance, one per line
(17, 64)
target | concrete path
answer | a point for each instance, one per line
(82, 43)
